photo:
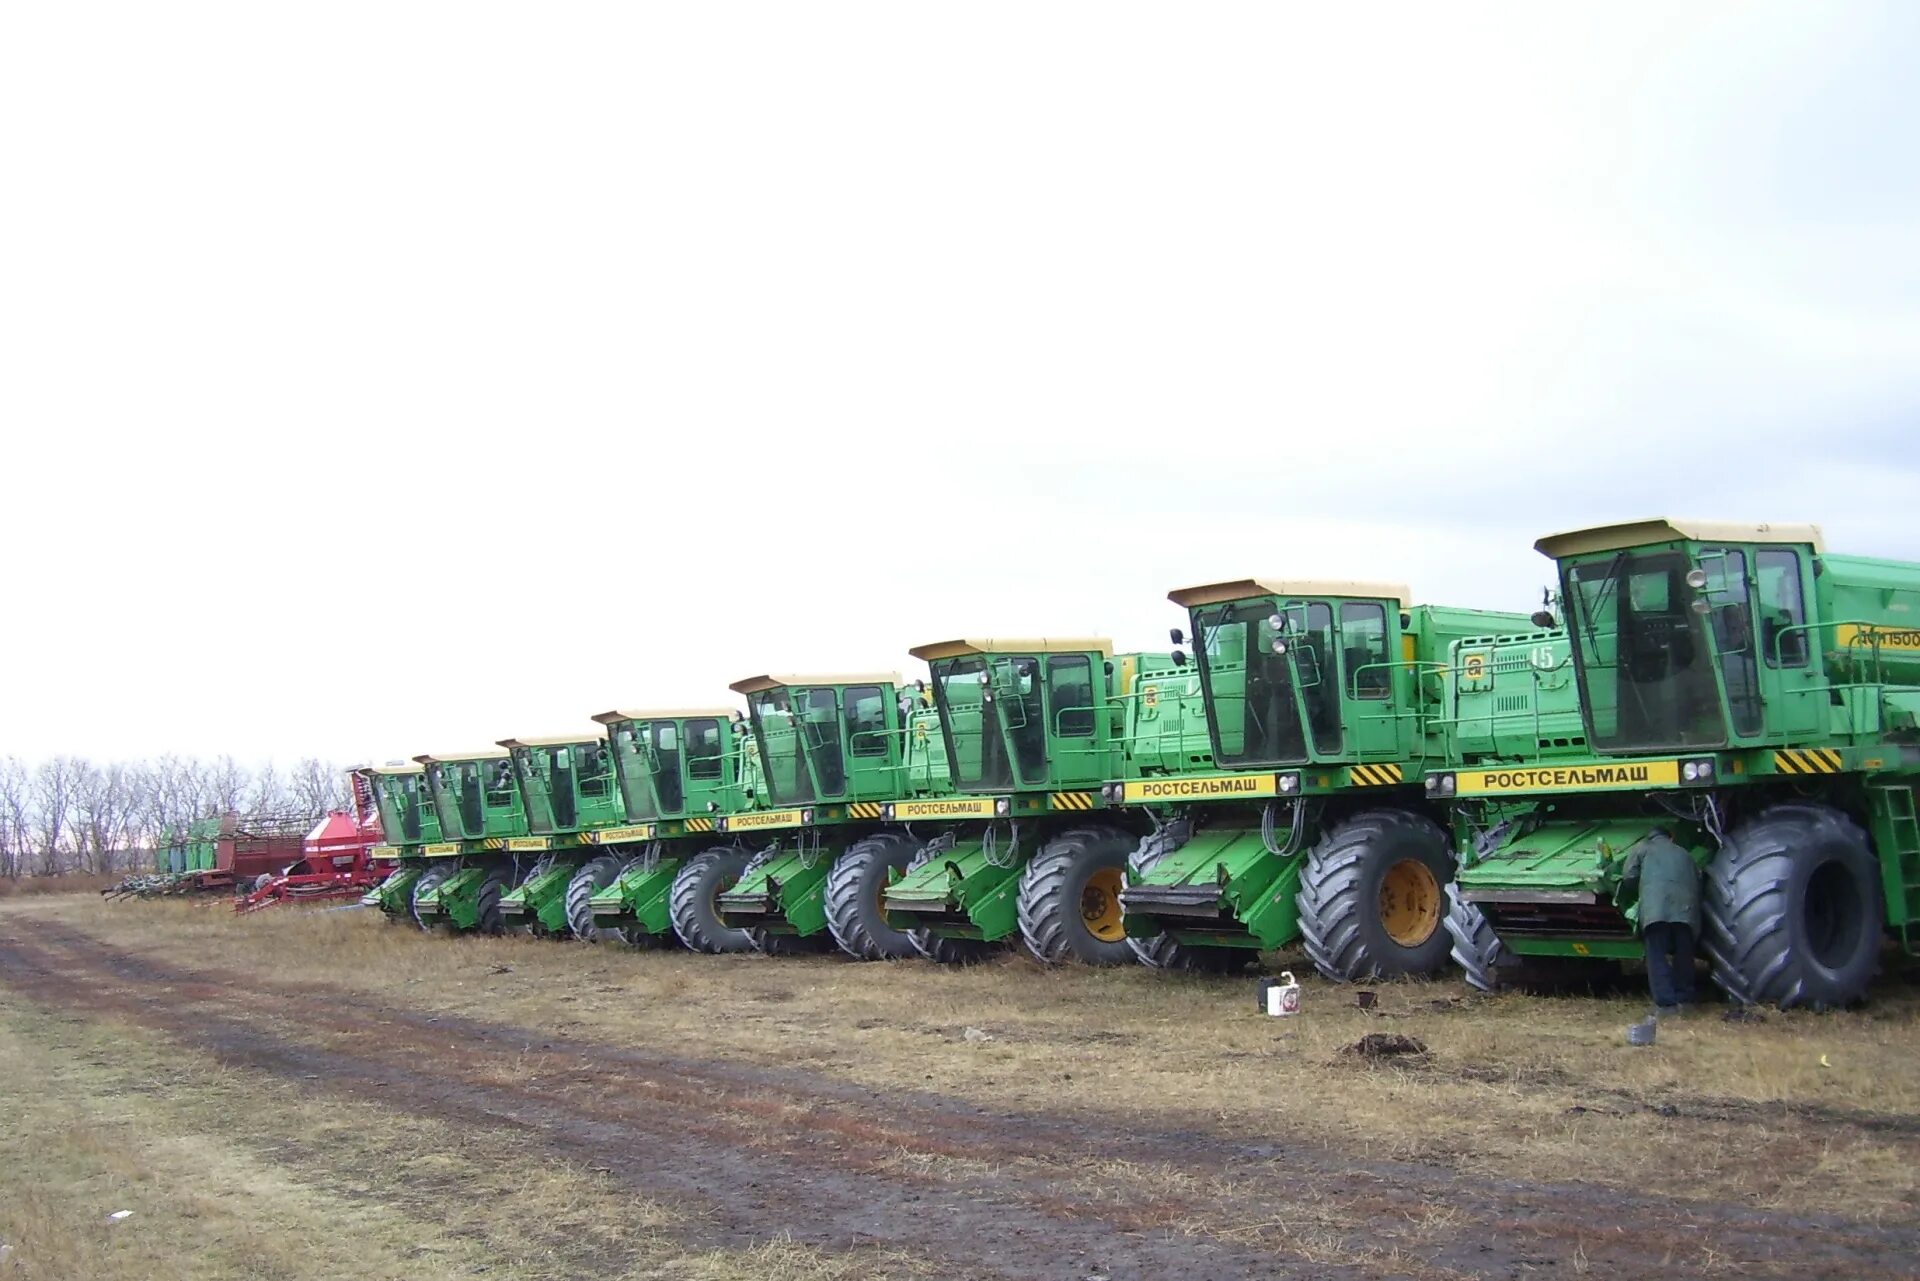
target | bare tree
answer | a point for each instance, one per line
(16, 816)
(53, 797)
(226, 784)
(318, 787)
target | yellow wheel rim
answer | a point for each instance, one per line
(1100, 905)
(1410, 902)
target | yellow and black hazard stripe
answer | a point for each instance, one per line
(1071, 800)
(863, 809)
(1808, 760)
(1375, 775)
(699, 825)
(494, 843)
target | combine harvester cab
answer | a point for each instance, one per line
(1032, 728)
(1744, 695)
(1309, 816)
(470, 868)
(676, 772)
(409, 823)
(569, 792)
(834, 751)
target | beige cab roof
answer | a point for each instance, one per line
(1667, 529)
(395, 767)
(665, 714)
(444, 758)
(1243, 588)
(1029, 645)
(553, 740)
(754, 684)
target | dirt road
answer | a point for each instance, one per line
(748, 1151)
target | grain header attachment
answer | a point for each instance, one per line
(1747, 696)
(654, 878)
(1294, 804)
(835, 751)
(1032, 730)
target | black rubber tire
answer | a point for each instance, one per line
(692, 903)
(260, 882)
(1339, 897)
(489, 919)
(1793, 914)
(855, 916)
(1052, 889)
(1161, 952)
(768, 943)
(430, 879)
(593, 876)
(1477, 950)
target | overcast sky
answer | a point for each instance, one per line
(386, 378)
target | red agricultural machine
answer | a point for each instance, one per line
(336, 860)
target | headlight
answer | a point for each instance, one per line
(1690, 771)
(1289, 782)
(806, 816)
(886, 811)
(1003, 806)
(719, 824)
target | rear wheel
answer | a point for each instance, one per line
(1161, 952)
(1793, 909)
(694, 902)
(856, 887)
(594, 875)
(1070, 898)
(771, 944)
(1372, 897)
(431, 879)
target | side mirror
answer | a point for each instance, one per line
(1543, 618)
(1179, 658)
(1177, 636)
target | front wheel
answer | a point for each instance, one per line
(1793, 913)
(1373, 897)
(694, 901)
(431, 879)
(1070, 898)
(856, 892)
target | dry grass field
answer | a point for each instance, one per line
(319, 1094)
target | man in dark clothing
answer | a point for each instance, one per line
(1669, 916)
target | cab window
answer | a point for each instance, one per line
(1363, 637)
(1783, 638)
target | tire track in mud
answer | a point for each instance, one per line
(754, 1149)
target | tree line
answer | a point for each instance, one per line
(72, 814)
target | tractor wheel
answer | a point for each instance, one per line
(942, 950)
(693, 903)
(1793, 909)
(260, 881)
(594, 875)
(431, 879)
(1373, 897)
(489, 919)
(1161, 952)
(768, 943)
(1070, 898)
(856, 884)
(1476, 948)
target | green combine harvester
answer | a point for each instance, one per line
(1289, 800)
(1746, 695)
(834, 752)
(658, 875)
(471, 868)
(569, 793)
(1032, 730)
(409, 823)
